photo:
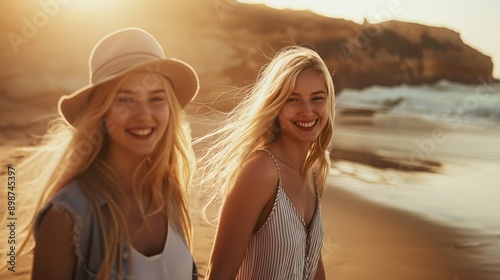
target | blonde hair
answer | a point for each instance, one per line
(251, 125)
(68, 154)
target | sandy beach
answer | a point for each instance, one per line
(363, 239)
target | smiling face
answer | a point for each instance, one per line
(138, 117)
(304, 114)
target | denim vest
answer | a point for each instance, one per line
(87, 232)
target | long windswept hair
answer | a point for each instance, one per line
(68, 153)
(251, 125)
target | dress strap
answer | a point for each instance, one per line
(315, 182)
(275, 162)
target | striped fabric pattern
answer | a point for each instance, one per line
(284, 248)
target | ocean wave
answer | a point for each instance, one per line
(442, 102)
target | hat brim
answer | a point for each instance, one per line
(182, 77)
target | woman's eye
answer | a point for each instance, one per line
(292, 100)
(124, 100)
(155, 99)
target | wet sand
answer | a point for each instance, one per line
(364, 240)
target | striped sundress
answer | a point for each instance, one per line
(284, 248)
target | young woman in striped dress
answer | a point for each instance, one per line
(269, 162)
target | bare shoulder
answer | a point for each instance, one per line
(257, 180)
(262, 163)
(261, 170)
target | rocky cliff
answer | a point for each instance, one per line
(227, 42)
(389, 53)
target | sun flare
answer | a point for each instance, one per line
(94, 5)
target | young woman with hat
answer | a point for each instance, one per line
(269, 162)
(113, 176)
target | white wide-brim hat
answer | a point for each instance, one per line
(124, 51)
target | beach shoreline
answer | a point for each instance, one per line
(367, 240)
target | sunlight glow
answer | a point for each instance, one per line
(94, 5)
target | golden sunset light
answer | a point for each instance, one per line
(359, 138)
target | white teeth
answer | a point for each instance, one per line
(306, 124)
(141, 132)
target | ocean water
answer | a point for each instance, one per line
(457, 126)
(444, 102)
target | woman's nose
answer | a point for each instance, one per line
(142, 111)
(307, 109)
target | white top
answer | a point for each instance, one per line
(175, 262)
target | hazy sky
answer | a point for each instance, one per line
(477, 21)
